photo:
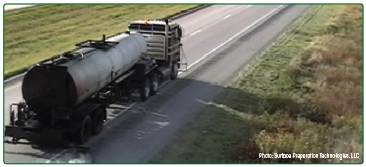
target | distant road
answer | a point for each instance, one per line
(13, 8)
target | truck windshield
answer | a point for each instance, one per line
(147, 27)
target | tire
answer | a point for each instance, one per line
(145, 90)
(175, 69)
(154, 84)
(85, 130)
(98, 121)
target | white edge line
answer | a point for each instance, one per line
(227, 16)
(190, 66)
(196, 32)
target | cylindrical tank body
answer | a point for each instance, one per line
(70, 83)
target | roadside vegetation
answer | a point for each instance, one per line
(34, 35)
(302, 95)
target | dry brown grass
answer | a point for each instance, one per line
(339, 72)
(339, 101)
(331, 68)
(335, 60)
(334, 50)
(357, 7)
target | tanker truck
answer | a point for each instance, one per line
(65, 98)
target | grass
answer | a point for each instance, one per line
(303, 95)
(34, 35)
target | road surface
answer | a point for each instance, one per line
(219, 41)
(14, 8)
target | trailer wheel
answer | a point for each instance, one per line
(175, 69)
(98, 121)
(85, 130)
(154, 83)
(145, 90)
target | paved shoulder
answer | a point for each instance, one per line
(14, 8)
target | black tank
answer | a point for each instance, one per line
(48, 87)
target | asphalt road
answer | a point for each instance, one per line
(219, 41)
(16, 8)
(13, 7)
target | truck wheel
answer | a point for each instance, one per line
(145, 90)
(154, 84)
(98, 121)
(175, 69)
(85, 130)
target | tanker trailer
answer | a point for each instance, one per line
(65, 98)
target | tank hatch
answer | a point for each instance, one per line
(97, 44)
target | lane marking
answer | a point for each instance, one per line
(204, 27)
(196, 32)
(231, 38)
(227, 16)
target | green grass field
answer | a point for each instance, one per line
(303, 95)
(33, 35)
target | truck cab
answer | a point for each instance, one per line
(163, 39)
